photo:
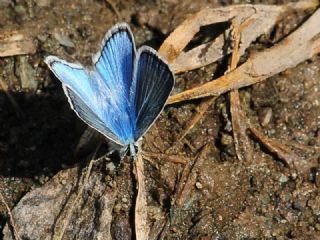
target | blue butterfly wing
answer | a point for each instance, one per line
(115, 66)
(80, 89)
(87, 115)
(152, 84)
(100, 97)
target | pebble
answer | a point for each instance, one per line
(265, 116)
(226, 139)
(63, 40)
(283, 178)
(199, 185)
(43, 3)
(110, 167)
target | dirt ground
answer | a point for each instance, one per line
(260, 198)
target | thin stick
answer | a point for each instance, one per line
(239, 126)
(69, 213)
(15, 105)
(12, 222)
(141, 213)
(113, 7)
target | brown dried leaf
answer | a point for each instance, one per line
(296, 48)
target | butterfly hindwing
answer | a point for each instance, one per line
(81, 90)
(152, 84)
(86, 114)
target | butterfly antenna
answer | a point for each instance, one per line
(133, 152)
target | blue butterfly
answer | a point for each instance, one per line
(124, 92)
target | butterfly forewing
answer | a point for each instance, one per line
(105, 88)
(114, 63)
(153, 82)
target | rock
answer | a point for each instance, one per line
(43, 3)
(27, 74)
(63, 39)
(5, 3)
(265, 116)
(44, 209)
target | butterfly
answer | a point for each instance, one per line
(124, 91)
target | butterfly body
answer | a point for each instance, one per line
(123, 93)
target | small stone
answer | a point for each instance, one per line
(110, 167)
(283, 178)
(294, 176)
(117, 208)
(63, 40)
(199, 185)
(27, 74)
(296, 206)
(226, 139)
(63, 182)
(5, 3)
(265, 116)
(173, 229)
(124, 200)
(43, 3)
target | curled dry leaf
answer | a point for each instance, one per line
(261, 17)
(299, 46)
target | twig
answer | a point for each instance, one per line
(15, 105)
(58, 234)
(284, 151)
(168, 157)
(239, 124)
(299, 46)
(280, 150)
(141, 214)
(200, 111)
(113, 7)
(12, 222)
(188, 177)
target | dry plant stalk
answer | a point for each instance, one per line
(283, 150)
(12, 222)
(280, 150)
(141, 214)
(4, 87)
(63, 221)
(239, 121)
(299, 46)
(114, 8)
(172, 158)
(15, 43)
(188, 177)
(200, 111)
